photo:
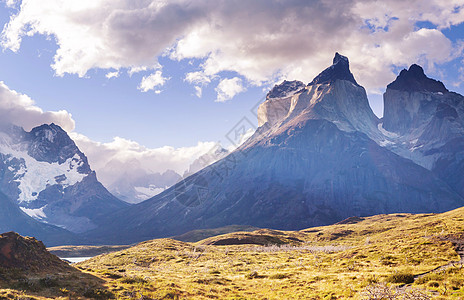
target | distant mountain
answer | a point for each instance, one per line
(319, 156)
(48, 178)
(137, 184)
(206, 159)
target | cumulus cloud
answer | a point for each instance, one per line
(197, 78)
(114, 74)
(262, 40)
(20, 109)
(152, 81)
(228, 88)
(111, 160)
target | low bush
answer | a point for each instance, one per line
(401, 278)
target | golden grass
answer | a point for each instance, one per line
(331, 262)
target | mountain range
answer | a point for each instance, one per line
(319, 155)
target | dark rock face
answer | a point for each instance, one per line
(318, 161)
(429, 123)
(339, 70)
(413, 99)
(444, 111)
(285, 89)
(414, 80)
(50, 179)
(50, 143)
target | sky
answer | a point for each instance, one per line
(161, 82)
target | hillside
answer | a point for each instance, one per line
(394, 253)
(29, 271)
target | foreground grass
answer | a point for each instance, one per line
(380, 254)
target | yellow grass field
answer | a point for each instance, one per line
(400, 256)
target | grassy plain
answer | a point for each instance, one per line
(401, 255)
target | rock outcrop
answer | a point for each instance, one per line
(29, 255)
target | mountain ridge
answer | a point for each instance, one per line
(319, 156)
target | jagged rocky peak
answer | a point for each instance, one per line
(285, 89)
(334, 95)
(340, 69)
(50, 143)
(413, 99)
(50, 179)
(415, 80)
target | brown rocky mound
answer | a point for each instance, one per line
(28, 254)
(258, 237)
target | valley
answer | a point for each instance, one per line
(232, 150)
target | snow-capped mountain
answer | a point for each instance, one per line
(136, 184)
(319, 156)
(50, 179)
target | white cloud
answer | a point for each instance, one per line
(114, 74)
(151, 81)
(111, 160)
(11, 3)
(260, 40)
(198, 91)
(228, 88)
(21, 110)
(134, 70)
(197, 78)
(242, 139)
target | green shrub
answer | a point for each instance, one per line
(401, 278)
